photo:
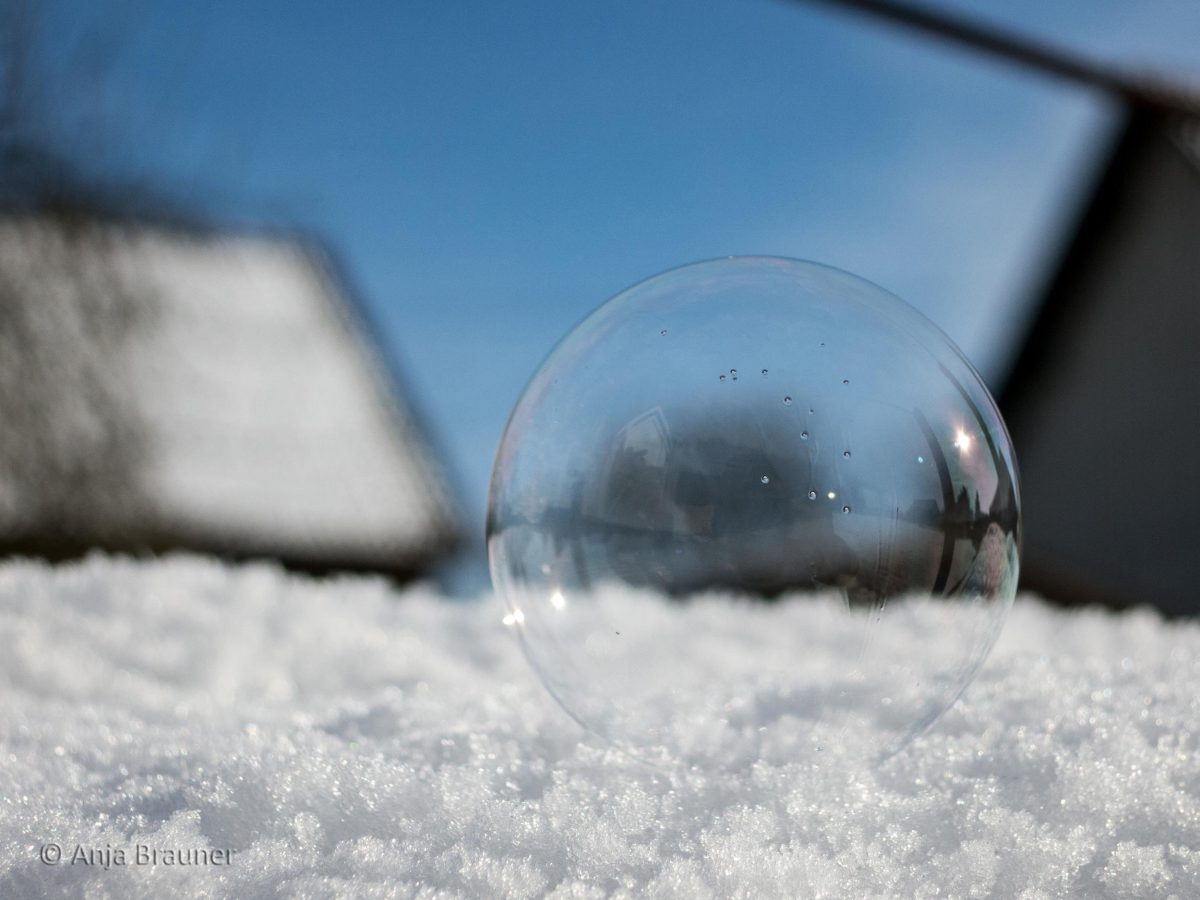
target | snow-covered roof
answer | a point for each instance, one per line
(164, 388)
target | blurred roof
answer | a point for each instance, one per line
(180, 388)
(1145, 88)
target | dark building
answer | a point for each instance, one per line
(1103, 402)
(1103, 399)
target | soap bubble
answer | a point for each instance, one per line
(710, 570)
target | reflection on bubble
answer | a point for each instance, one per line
(632, 489)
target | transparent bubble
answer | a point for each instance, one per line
(700, 573)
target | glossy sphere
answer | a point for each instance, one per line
(770, 429)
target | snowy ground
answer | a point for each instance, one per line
(345, 741)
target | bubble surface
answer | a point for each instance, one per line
(620, 489)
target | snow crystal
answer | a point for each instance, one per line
(344, 738)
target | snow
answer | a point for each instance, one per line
(344, 738)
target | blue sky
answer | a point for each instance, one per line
(492, 172)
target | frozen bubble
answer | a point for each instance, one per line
(624, 483)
